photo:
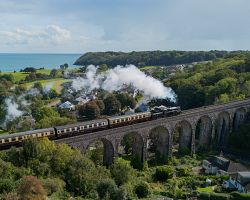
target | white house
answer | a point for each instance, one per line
(239, 181)
(67, 105)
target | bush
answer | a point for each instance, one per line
(239, 196)
(121, 171)
(184, 171)
(216, 196)
(6, 185)
(204, 196)
(53, 185)
(163, 173)
(106, 188)
(142, 190)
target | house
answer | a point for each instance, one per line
(239, 181)
(67, 106)
(221, 165)
(81, 100)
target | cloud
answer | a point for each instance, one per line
(51, 34)
(123, 25)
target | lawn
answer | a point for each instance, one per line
(209, 189)
(54, 83)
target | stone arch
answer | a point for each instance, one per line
(108, 150)
(132, 144)
(158, 143)
(223, 128)
(239, 118)
(203, 133)
(183, 141)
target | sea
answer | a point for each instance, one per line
(10, 62)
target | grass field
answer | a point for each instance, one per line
(3, 132)
(149, 67)
(206, 189)
(54, 83)
(18, 76)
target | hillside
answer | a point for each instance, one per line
(148, 58)
(218, 81)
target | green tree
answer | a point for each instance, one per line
(90, 110)
(54, 73)
(121, 171)
(126, 100)
(112, 105)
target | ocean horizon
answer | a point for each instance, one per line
(10, 62)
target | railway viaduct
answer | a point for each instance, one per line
(191, 130)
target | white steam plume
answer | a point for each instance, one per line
(47, 88)
(115, 79)
(12, 110)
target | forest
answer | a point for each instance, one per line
(218, 81)
(148, 58)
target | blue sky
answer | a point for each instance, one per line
(77, 26)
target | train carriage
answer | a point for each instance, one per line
(16, 139)
(82, 127)
(128, 119)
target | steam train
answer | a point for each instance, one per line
(57, 132)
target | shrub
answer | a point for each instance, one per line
(142, 190)
(204, 196)
(121, 171)
(184, 171)
(6, 185)
(163, 173)
(106, 188)
(239, 196)
(216, 196)
(53, 185)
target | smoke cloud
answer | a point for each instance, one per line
(12, 110)
(115, 79)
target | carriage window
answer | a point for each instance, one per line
(75, 128)
(97, 124)
(93, 125)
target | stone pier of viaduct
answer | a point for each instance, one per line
(215, 124)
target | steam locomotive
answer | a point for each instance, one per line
(57, 132)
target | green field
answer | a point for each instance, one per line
(55, 83)
(18, 76)
(149, 67)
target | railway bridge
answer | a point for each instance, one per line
(194, 129)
